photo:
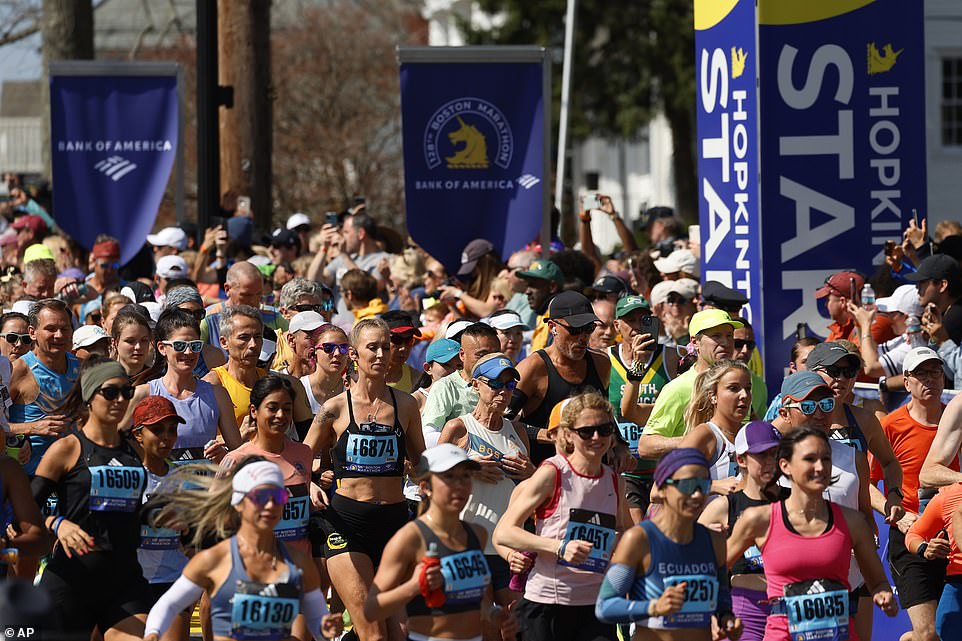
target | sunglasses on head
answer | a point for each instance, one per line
(198, 314)
(499, 385)
(264, 495)
(603, 430)
(182, 346)
(741, 343)
(808, 407)
(326, 306)
(836, 371)
(578, 331)
(329, 348)
(112, 393)
(689, 486)
(13, 338)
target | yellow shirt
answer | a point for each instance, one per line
(541, 335)
(240, 394)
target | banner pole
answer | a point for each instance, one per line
(559, 176)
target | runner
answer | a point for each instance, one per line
(501, 451)
(241, 336)
(806, 542)
(16, 339)
(721, 401)
(257, 585)
(462, 574)
(94, 576)
(672, 568)
(580, 508)
(755, 449)
(130, 334)
(369, 431)
(160, 554)
(20, 515)
(441, 359)
(327, 379)
(187, 298)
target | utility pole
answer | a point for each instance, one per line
(209, 99)
(245, 131)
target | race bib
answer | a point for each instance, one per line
(374, 450)
(264, 611)
(596, 528)
(701, 600)
(116, 488)
(185, 455)
(293, 524)
(158, 538)
(817, 611)
(631, 433)
(466, 575)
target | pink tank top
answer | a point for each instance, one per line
(582, 508)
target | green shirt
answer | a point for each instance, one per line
(450, 397)
(668, 416)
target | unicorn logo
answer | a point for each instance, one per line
(738, 62)
(884, 61)
(474, 153)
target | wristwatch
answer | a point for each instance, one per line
(882, 387)
(921, 549)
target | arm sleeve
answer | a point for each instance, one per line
(181, 595)
(928, 524)
(516, 404)
(612, 606)
(315, 609)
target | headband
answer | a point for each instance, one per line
(675, 459)
(254, 475)
(98, 375)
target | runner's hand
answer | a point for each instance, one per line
(886, 602)
(24, 456)
(215, 452)
(51, 426)
(724, 487)
(318, 497)
(576, 552)
(517, 467)
(938, 548)
(327, 479)
(728, 627)
(74, 539)
(519, 563)
(332, 625)
(670, 600)
(434, 577)
(906, 522)
(490, 471)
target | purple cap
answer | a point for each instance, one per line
(675, 459)
(757, 436)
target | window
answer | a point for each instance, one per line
(952, 102)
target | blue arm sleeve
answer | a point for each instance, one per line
(612, 606)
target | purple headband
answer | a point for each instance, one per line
(675, 459)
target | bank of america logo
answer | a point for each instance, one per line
(115, 167)
(528, 181)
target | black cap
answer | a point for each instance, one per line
(573, 308)
(717, 295)
(654, 213)
(610, 284)
(472, 253)
(829, 353)
(400, 322)
(951, 246)
(936, 267)
(285, 238)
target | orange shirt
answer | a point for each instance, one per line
(848, 331)
(911, 442)
(937, 516)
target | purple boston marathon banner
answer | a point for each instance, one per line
(113, 136)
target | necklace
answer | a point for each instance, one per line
(259, 552)
(371, 417)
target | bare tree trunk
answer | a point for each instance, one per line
(68, 34)
(245, 131)
(683, 163)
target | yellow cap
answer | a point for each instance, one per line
(708, 318)
(37, 252)
(554, 419)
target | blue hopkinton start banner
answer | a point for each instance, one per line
(114, 140)
(473, 137)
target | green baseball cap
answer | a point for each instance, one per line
(628, 304)
(545, 270)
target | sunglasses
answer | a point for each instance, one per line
(182, 346)
(198, 314)
(499, 385)
(326, 306)
(13, 338)
(400, 339)
(808, 407)
(578, 331)
(113, 393)
(603, 430)
(741, 343)
(329, 348)
(689, 486)
(109, 265)
(262, 496)
(840, 372)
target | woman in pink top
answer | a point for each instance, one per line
(806, 542)
(579, 508)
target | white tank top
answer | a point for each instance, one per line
(488, 501)
(723, 465)
(306, 382)
(160, 553)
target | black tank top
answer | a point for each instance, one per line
(751, 561)
(370, 449)
(558, 390)
(103, 494)
(466, 575)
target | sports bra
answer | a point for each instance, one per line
(370, 449)
(850, 434)
(245, 609)
(465, 572)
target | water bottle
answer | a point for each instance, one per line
(9, 556)
(868, 296)
(432, 598)
(913, 327)
(15, 444)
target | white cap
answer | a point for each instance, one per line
(305, 322)
(686, 287)
(298, 219)
(154, 309)
(505, 321)
(904, 299)
(23, 307)
(660, 291)
(268, 349)
(259, 261)
(87, 335)
(442, 458)
(917, 356)
(456, 328)
(169, 237)
(172, 267)
(680, 260)
(254, 475)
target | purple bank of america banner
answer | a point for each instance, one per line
(113, 143)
